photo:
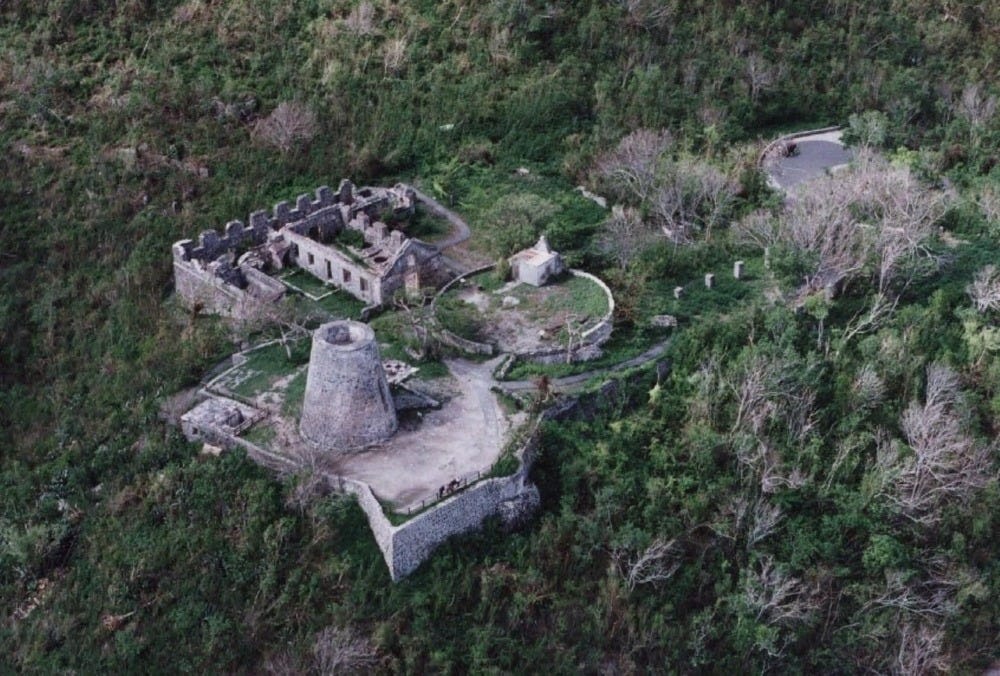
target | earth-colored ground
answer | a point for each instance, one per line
(457, 442)
(462, 439)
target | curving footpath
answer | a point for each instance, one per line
(463, 233)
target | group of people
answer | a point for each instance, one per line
(448, 489)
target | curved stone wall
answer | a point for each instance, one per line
(347, 402)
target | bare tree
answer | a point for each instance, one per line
(680, 197)
(647, 14)
(776, 597)
(292, 323)
(287, 126)
(632, 168)
(361, 20)
(691, 197)
(976, 105)
(868, 221)
(870, 318)
(921, 650)
(761, 75)
(985, 290)
(420, 318)
(868, 388)
(624, 235)
(764, 521)
(946, 463)
(988, 201)
(656, 563)
(765, 390)
(394, 56)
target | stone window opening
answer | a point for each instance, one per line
(364, 283)
(329, 270)
(312, 259)
(347, 276)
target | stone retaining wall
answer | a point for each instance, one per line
(601, 332)
(467, 346)
(512, 499)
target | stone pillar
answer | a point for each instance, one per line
(767, 258)
(738, 270)
(678, 292)
(347, 402)
(709, 280)
(345, 192)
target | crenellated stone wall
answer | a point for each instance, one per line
(303, 233)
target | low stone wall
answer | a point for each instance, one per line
(512, 499)
(467, 346)
(601, 332)
(449, 338)
(591, 339)
(413, 541)
(382, 529)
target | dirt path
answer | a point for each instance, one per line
(460, 231)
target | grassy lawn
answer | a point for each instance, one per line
(341, 305)
(333, 301)
(261, 434)
(307, 283)
(263, 368)
(572, 295)
(548, 307)
(697, 300)
(294, 394)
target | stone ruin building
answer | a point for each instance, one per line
(229, 274)
(347, 402)
(216, 421)
(536, 265)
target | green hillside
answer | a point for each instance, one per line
(813, 487)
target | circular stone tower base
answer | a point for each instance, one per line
(347, 403)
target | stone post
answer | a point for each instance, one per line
(767, 258)
(678, 292)
(709, 280)
(738, 270)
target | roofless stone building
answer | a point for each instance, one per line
(341, 237)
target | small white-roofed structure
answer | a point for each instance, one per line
(536, 265)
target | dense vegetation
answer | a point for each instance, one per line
(812, 488)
